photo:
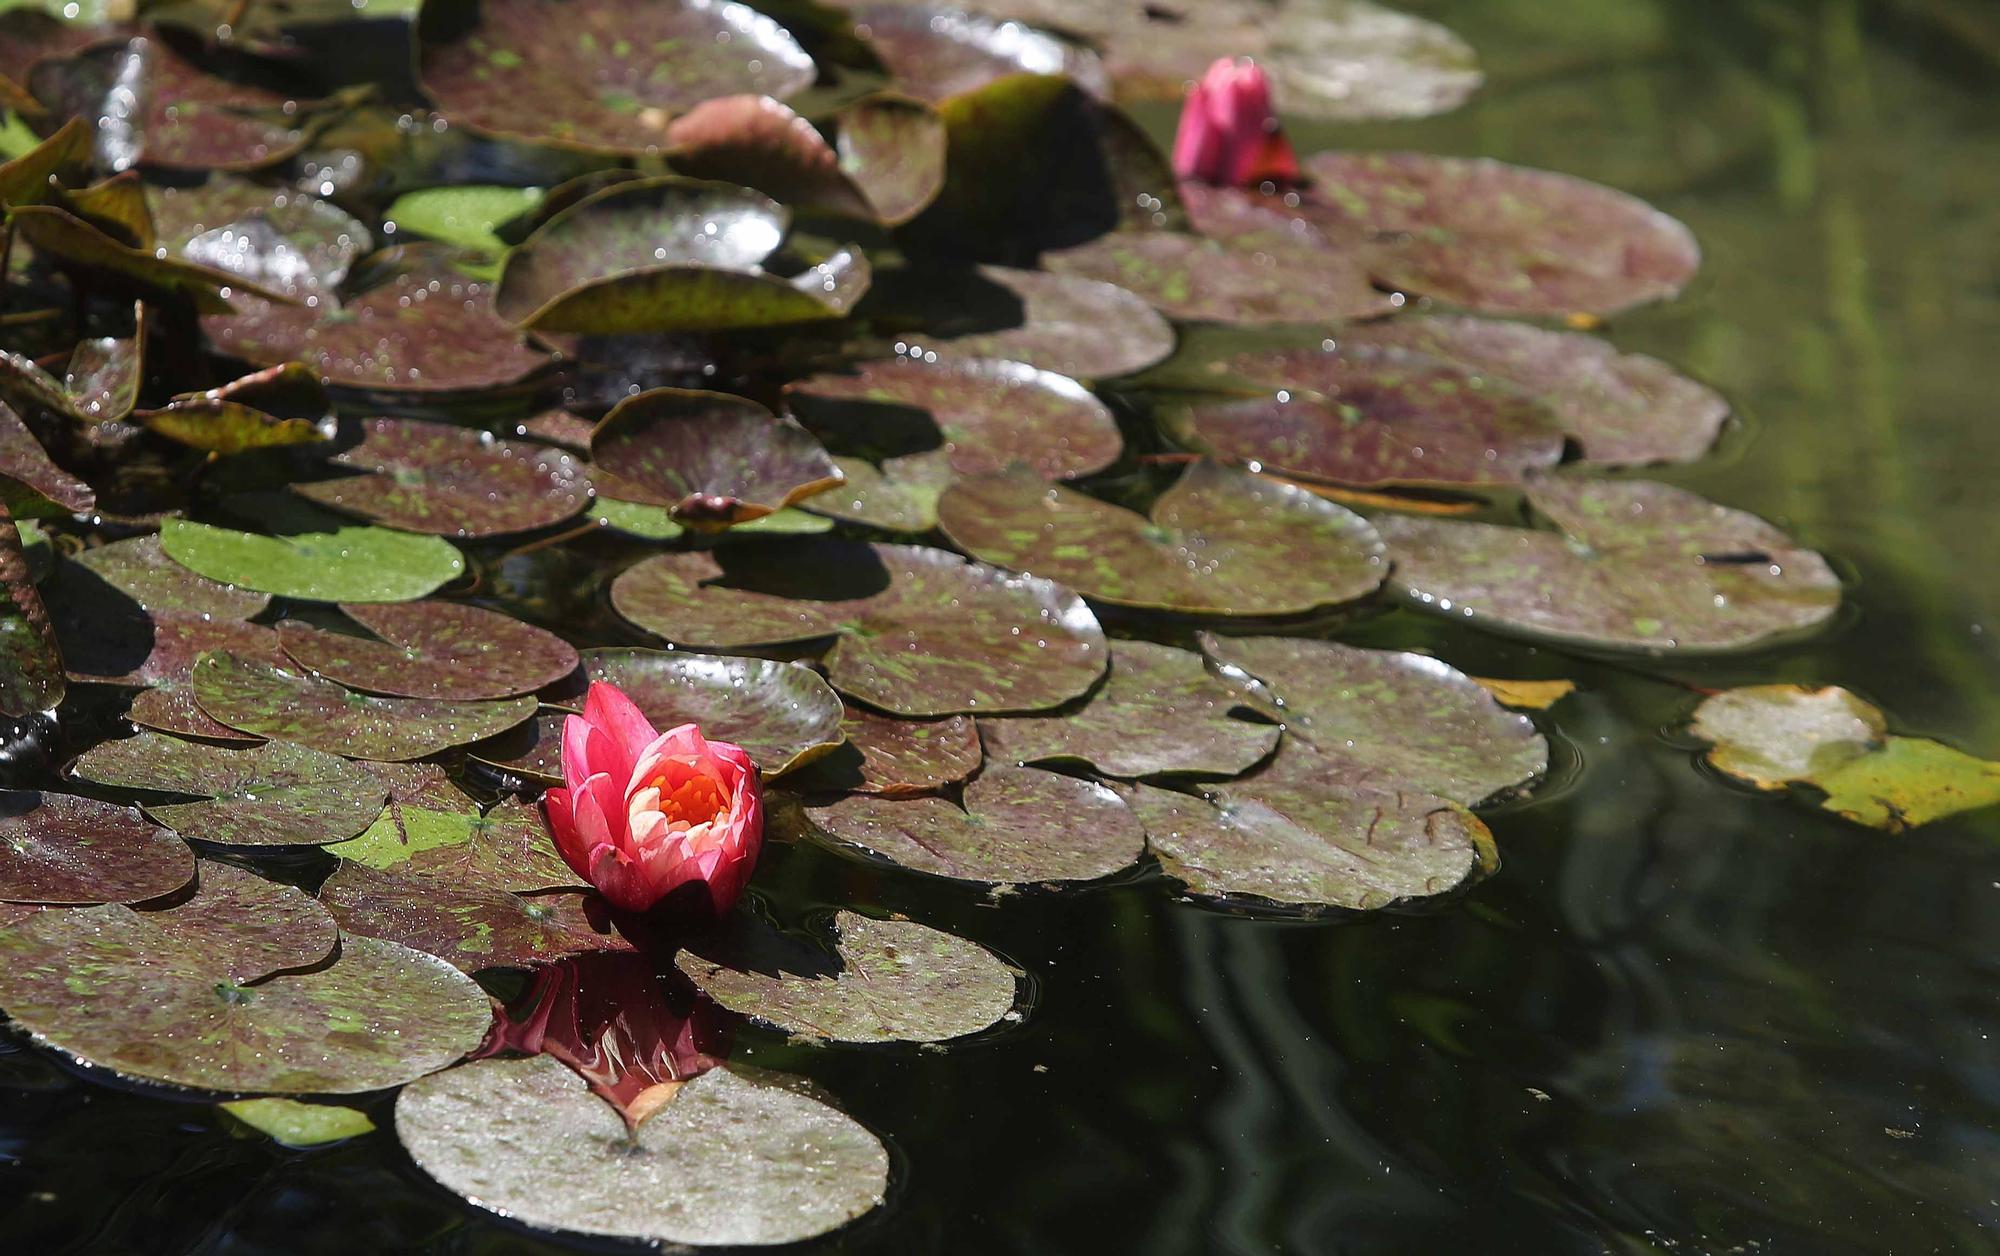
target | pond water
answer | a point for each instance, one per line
(1683, 1016)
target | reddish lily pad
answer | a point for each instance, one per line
(453, 481)
(109, 641)
(110, 265)
(987, 414)
(140, 569)
(171, 708)
(1403, 720)
(728, 1160)
(1062, 323)
(1017, 825)
(58, 848)
(893, 151)
(270, 701)
(1264, 279)
(508, 848)
(532, 750)
(595, 74)
(889, 980)
(281, 239)
(898, 758)
(1637, 566)
(900, 495)
(712, 458)
(783, 714)
(31, 666)
(31, 484)
(433, 649)
(277, 794)
(1158, 713)
(116, 989)
(470, 927)
(1374, 416)
(1219, 542)
(312, 555)
(247, 926)
(937, 53)
(760, 143)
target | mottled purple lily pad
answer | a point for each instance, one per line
(171, 708)
(897, 758)
(1636, 566)
(760, 143)
(1062, 323)
(454, 481)
(532, 750)
(1406, 721)
(893, 151)
(508, 848)
(114, 988)
(276, 702)
(985, 414)
(783, 714)
(312, 554)
(245, 925)
(31, 666)
(433, 649)
(940, 52)
(1373, 416)
(1158, 713)
(1017, 825)
(900, 495)
(470, 927)
(1264, 279)
(888, 981)
(140, 569)
(277, 237)
(712, 458)
(58, 848)
(595, 74)
(1219, 542)
(107, 640)
(277, 794)
(31, 484)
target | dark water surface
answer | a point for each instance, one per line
(1681, 1018)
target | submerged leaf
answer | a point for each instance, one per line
(290, 1123)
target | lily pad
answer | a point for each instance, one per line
(1910, 781)
(454, 481)
(247, 926)
(939, 52)
(712, 458)
(595, 74)
(279, 238)
(463, 216)
(290, 1123)
(110, 265)
(900, 495)
(508, 848)
(1638, 566)
(1253, 280)
(1220, 542)
(985, 414)
(470, 927)
(760, 143)
(1017, 825)
(1062, 323)
(58, 848)
(271, 701)
(532, 749)
(783, 714)
(103, 375)
(1402, 720)
(171, 708)
(107, 640)
(140, 568)
(31, 666)
(31, 484)
(313, 555)
(278, 794)
(117, 989)
(893, 151)
(433, 649)
(898, 758)
(889, 981)
(729, 1160)
(1158, 713)
(279, 405)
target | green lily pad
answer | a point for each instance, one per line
(760, 143)
(470, 927)
(728, 1160)
(271, 701)
(1403, 720)
(275, 237)
(782, 714)
(465, 216)
(433, 649)
(57, 848)
(901, 495)
(313, 555)
(140, 569)
(1061, 323)
(508, 848)
(1017, 825)
(532, 749)
(119, 990)
(897, 758)
(1638, 566)
(1908, 782)
(712, 458)
(290, 1123)
(31, 666)
(893, 151)
(278, 794)
(454, 481)
(1158, 713)
(246, 926)
(594, 74)
(985, 414)
(279, 405)
(889, 980)
(936, 53)
(1253, 280)
(1622, 408)
(1219, 542)
(1374, 416)
(31, 484)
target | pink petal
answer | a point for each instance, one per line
(607, 707)
(557, 807)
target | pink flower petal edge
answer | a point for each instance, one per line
(1229, 133)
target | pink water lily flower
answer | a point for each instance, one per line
(1229, 134)
(645, 813)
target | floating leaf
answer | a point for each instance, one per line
(433, 649)
(290, 1123)
(1017, 825)
(171, 708)
(1638, 566)
(1526, 695)
(532, 750)
(465, 217)
(108, 640)
(506, 849)
(115, 988)
(937, 53)
(1253, 280)
(783, 714)
(1062, 323)
(57, 848)
(276, 237)
(454, 481)
(248, 927)
(898, 758)
(31, 666)
(712, 458)
(313, 555)
(278, 794)
(760, 143)
(889, 981)
(140, 569)
(729, 1160)
(470, 927)
(1159, 712)
(1908, 782)
(103, 375)
(1220, 542)
(893, 150)
(279, 405)
(31, 484)
(109, 265)
(597, 75)
(985, 414)
(275, 702)
(899, 496)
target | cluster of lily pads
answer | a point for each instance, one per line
(918, 405)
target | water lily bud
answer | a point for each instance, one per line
(1229, 134)
(645, 813)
